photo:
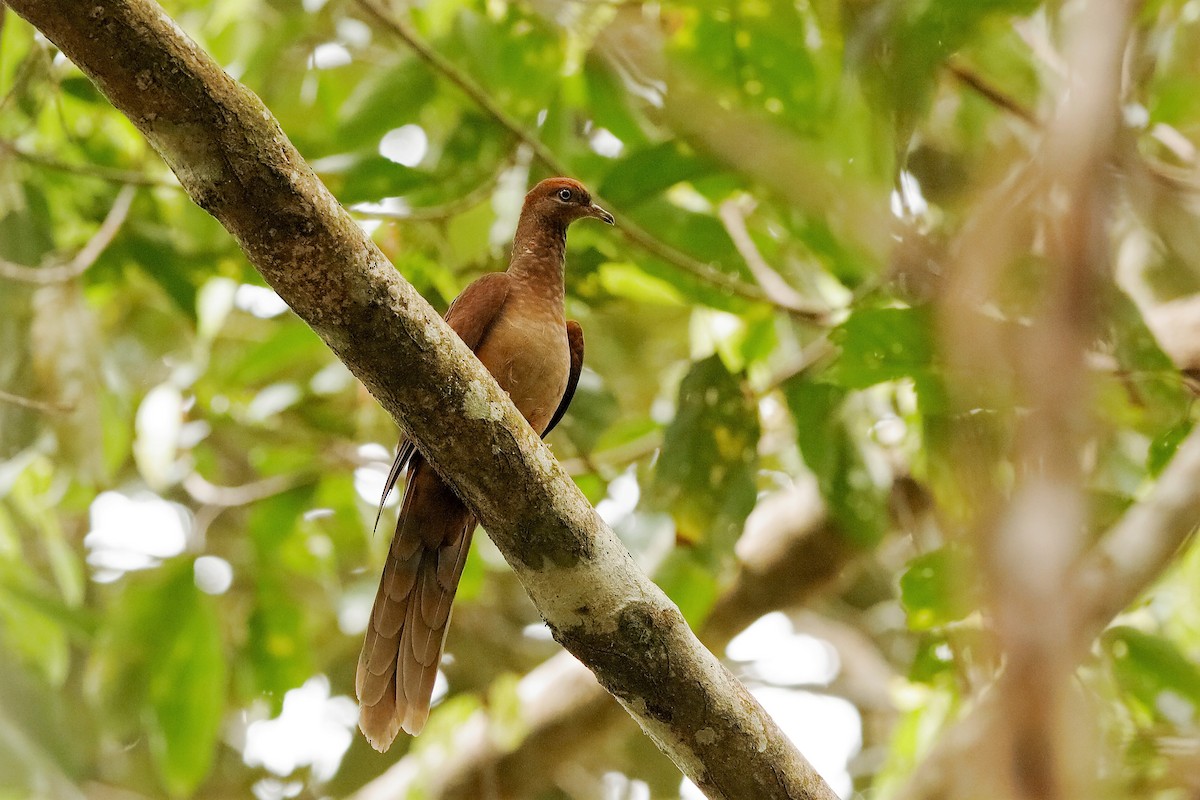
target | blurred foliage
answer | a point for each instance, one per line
(185, 527)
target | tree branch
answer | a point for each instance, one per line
(1030, 735)
(1137, 549)
(61, 273)
(791, 550)
(235, 162)
(1121, 566)
(993, 94)
(732, 214)
(45, 406)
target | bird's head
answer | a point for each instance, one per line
(563, 200)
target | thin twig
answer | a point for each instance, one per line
(630, 230)
(87, 256)
(439, 212)
(732, 216)
(614, 458)
(111, 174)
(996, 96)
(45, 406)
(210, 494)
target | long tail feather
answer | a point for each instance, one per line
(407, 629)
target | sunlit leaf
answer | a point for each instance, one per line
(187, 687)
(646, 174)
(626, 280)
(882, 344)
(938, 588)
(706, 473)
(1165, 682)
(161, 661)
(834, 456)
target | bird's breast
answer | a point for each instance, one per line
(528, 354)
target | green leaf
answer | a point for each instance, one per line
(161, 664)
(32, 626)
(883, 344)
(506, 713)
(938, 588)
(474, 575)
(373, 177)
(187, 688)
(626, 431)
(289, 344)
(757, 55)
(1151, 668)
(833, 455)
(45, 736)
(897, 46)
(608, 101)
(385, 100)
(517, 58)
(81, 88)
(1157, 401)
(646, 174)
(706, 474)
(932, 660)
(689, 583)
(1163, 448)
(628, 280)
(278, 651)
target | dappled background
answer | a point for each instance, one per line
(806, 398)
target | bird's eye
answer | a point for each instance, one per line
(564, 195)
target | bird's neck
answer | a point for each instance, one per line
(539, 254)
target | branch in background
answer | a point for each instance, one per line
(1033, 749)
(732, 214)
(1030, 553)
(210, 494)
(1139, 547)
(608, 462)
(45, 406)
(625, 226)
(789, 552)
(110, 174)
(85, 257)
(1126, 561)
(791, 549)
(235, 162)
(439, 212)
(993, 94)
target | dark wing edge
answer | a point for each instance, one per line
(575, 342)
(471, 315)
(403, 453)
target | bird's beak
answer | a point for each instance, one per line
(599, 213)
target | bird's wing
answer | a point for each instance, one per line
(575, 340)
(471, 316)
(475, 311)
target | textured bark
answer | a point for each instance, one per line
(234, 161)
(790, 551)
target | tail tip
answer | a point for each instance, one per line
(414, 720)
(380, 738)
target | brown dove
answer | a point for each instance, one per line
(514, 322)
